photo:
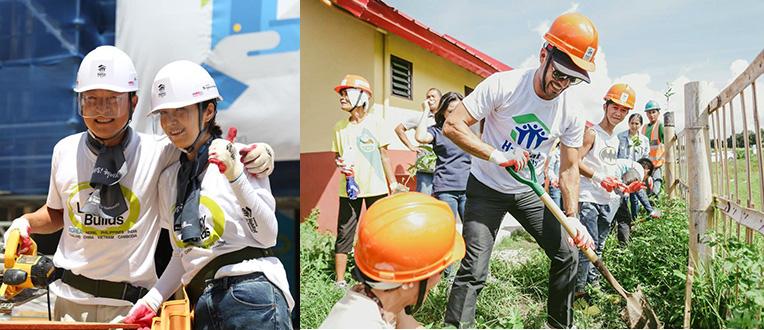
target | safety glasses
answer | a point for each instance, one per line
(107, 107)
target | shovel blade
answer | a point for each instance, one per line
(638, 313)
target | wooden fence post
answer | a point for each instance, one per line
(698, 173)
(669, 136)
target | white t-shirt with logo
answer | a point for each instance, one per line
(233, 219)
(119, 250)
(515, 117)
(602, 158)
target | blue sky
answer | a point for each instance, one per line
(644, 43)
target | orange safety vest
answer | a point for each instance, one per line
(656, 146)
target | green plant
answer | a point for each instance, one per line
(425, 161)
(728, 291)
(317, 291)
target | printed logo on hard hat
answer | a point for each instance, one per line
(608, 155)
(161, 88)
(213, 221)
(91, 226)
(589, 53)
(624, 97)
(101, 71)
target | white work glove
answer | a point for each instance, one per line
(223, 154)
(258, 159)
(396, 187)
(582, 237)
(655, 214)
(22, 224)
(145, 309)
(516, 158)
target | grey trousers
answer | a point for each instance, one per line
(482, 217)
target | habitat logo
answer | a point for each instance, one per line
(91, 224)
(211, 217)
(529, 133)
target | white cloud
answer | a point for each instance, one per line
(573, 8)
(737, 67)
(542, 27)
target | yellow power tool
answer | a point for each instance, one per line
(23, 271)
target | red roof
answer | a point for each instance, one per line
(379, 14)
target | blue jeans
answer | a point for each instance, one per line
(455, 200)
(247, 301)
(556, 196)
(424, 183)
(595, 218)
(635, 199)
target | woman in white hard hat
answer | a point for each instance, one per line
(223, 221)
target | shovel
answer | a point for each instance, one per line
(638, 313)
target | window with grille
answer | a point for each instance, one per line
(402, 77)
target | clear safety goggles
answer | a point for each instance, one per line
(108, 107)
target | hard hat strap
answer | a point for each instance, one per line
(420, 297)
(202, 128)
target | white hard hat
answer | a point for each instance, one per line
(107, 67)
(182, 83)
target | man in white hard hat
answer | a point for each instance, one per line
(103, 193)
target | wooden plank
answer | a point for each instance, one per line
(747, 217)
(742, 81)
(700, 198)
(38, 325)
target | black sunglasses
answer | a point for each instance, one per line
(559, 76)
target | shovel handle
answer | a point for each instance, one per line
(550, 204)
(562, 219)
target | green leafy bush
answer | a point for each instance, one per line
(728, 291)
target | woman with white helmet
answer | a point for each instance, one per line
(223, 221)
(103, 192)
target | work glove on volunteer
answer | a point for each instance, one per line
(223, 153)
(609, 183)
(22, 224)
(258, 159)
(582, 237)
(144, 310)
(516, 158)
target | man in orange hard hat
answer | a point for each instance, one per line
(360, 146)
(600, 176)
(394, 271)
(525, 111)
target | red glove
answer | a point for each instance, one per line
(142, 316)
(611, 183)
(634, 187)
(516, 158)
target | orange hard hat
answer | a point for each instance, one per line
(621, 94)
(354, 81)
(407, 237)
(575, 35)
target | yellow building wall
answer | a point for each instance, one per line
(430, 71)
(334, 43)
